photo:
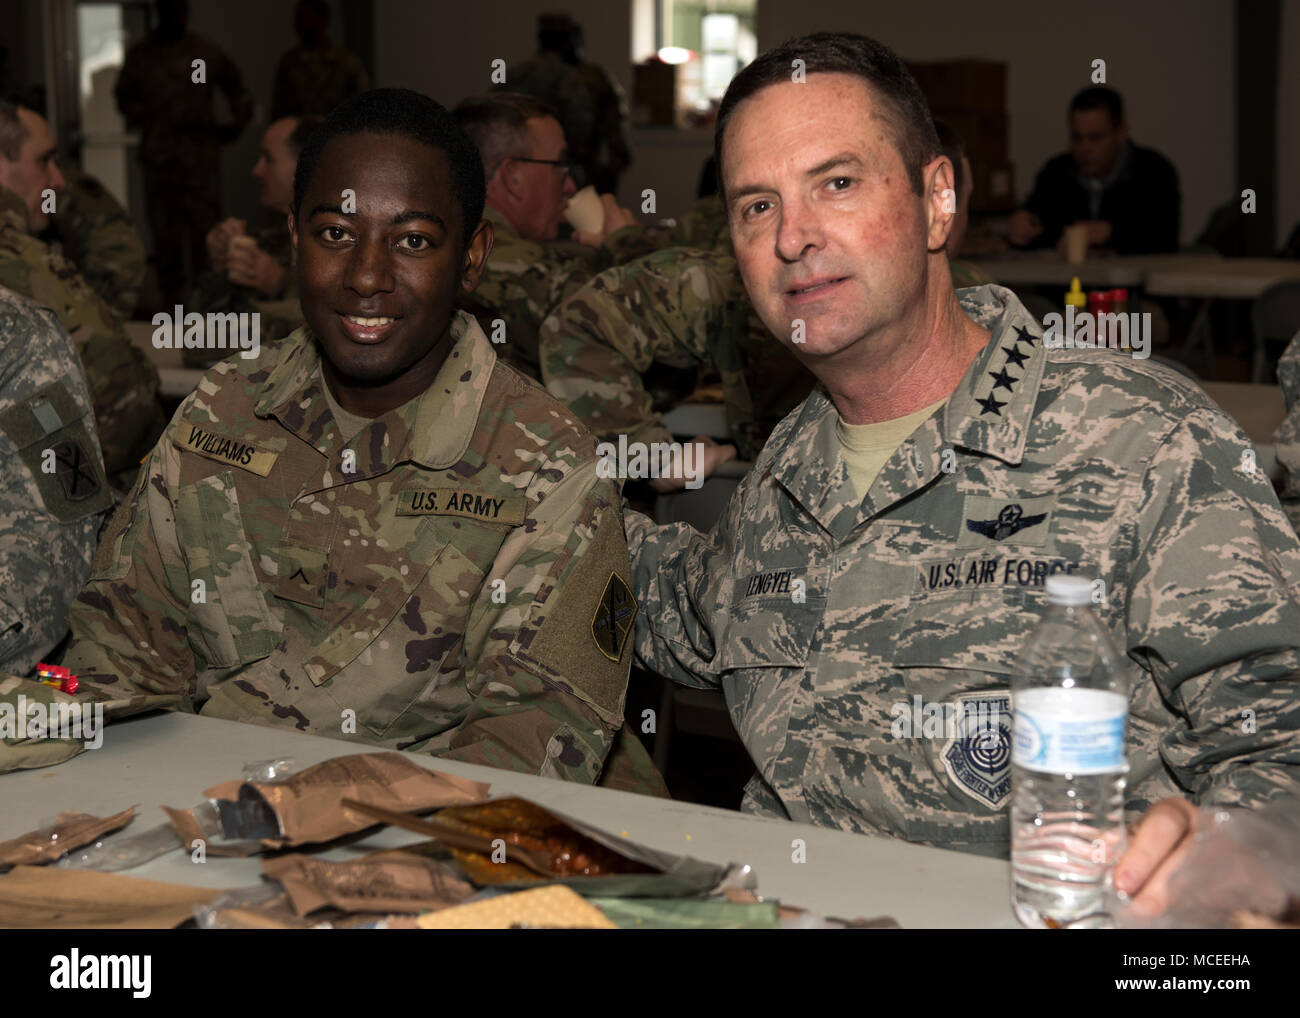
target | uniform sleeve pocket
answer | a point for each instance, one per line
(228, 613)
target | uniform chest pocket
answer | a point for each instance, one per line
(762, 658)
(957, 653)
(415, 624)
(229, 621)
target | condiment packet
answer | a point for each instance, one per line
(70, 830)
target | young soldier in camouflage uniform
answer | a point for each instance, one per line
(379, 533)
(894, 536)
(49, 520)
(1286, 440)
(123, 381)
(96, 235)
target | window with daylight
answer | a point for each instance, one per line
(707, 41)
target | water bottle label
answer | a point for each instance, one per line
(1069, 731)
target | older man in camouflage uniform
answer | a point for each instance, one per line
(684, 308)
(382, 533)
(861, 563)
(1286, 440)
(96, 235)
(123, 382)
(49, 518)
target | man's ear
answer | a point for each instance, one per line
(476, 256)
(941, 201)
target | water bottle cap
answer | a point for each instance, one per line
(1070, 590)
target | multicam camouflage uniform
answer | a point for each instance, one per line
(123, 381)
(679, 307)
(95, 233)
(452, 580)
(280, 313)
(821, 615)
(49, 521)
(1286, 440)
(523, 280)
(311, 81)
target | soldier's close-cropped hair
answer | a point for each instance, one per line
(903, 106)
(409, 114)
(497, 122)
(1099, 97)
(12, 131)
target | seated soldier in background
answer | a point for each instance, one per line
(679, 307)
(251, 272)
(49, 519)
(380, 532)
(683, 307)
(1286, 440)
(123, 381)
(529, 182)
(94, 233)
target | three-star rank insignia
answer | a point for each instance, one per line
(1010, 520)
(612, 623)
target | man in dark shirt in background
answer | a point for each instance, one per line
(1125, 194)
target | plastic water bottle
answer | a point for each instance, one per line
(1070, 700)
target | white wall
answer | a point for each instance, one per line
(1172, 60)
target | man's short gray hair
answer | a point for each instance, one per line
(12, 131)
(497, 122)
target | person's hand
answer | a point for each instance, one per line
(1157, 847)
(248, 265)
(616, 217)
(1023, 227)
(707, 458)
(218, 240)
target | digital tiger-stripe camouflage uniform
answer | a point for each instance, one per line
(678, 307)
(831, 620)
(123, 381)
(1286, 440)
(451, 580)
(49, 519)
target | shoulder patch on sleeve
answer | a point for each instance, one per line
(615, 613)
(52, 440)
(585, 636)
